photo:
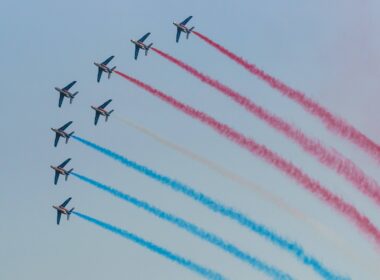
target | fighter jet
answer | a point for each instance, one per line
(62, 210)
(60, 171)
(139, 44)
(101, 111)
(64, 92)
(102, 67)
(59, 132)
(182, 28)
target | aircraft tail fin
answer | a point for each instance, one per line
(72, 96)
(147, 48)
(68, 214)
(108, 114)
(67, 138)
(68, 173)
(188, 33)
(111, 70)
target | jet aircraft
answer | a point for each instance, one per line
(139, 44)
(102, 67)
(64, 92)
(101, 111)
(181, 27)
(62, 210)
(60, 132)
(59, 170)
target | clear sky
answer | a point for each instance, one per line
(328, 49)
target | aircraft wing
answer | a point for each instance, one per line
(56, 177)
(65, 203)
(178, 34)
(58, 217)
(136, 51)
(61, 96)
(105, 62)
(65, 126)
(97, 114)
(69, 85)
(105, 104)
(142, 39)
(57, 136)
(186, 20)
(100, 71)
(64, 163)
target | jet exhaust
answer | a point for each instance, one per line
(201, 270)
(345, 208)
(191, 228)
(332, 122)
(332, 159)
(215, 206)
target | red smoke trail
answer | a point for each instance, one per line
(332, 122)
(330, 158)
(259, 150)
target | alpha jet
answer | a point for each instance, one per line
(60, 132)
(139, 44)
(64, 92)
(181, 27)
(59, 170)
(102, 67)
(62, 210)
(101, 111)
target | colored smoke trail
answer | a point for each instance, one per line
(316, 225)
(332, 122)
(221, 170)
(272, 158)
(332, 159)
(205, 272)
(191, 228)
(215, 206)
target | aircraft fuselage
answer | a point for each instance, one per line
(60, 170)
(141, 45)
(60, 133)
(101, 111)
(103, 67)
(62, 210)
(64, 92)
(182, 27)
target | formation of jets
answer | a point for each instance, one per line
(99, 110)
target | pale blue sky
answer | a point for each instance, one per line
(328, 49)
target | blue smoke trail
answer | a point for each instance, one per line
(191, 228)
(229, 212)
(207, 273)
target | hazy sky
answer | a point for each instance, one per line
(328, 49)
